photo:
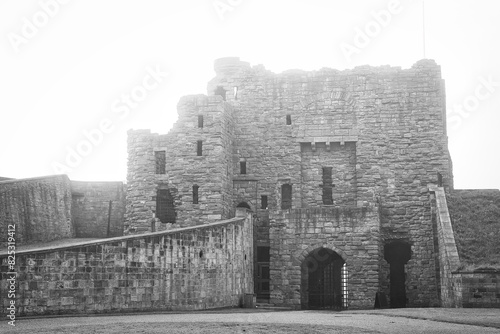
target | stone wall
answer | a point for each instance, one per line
(40, 209)
(192, 268)
(481, 289)
(475, 216)
(450, 281)
(381, 131)
(98, 209)
(391, 120)
(353, 233)
(184, 168)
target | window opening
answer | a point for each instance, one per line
(286, 196)
(160, 162)
(199, 148)
(327, 186)
(165, 208)
(263, 202)
(195, 194)
(200, 121)
(243, 167)
(288, 119)
(221, 91)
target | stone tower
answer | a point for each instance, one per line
(335, 165)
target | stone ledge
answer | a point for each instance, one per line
(3, 252)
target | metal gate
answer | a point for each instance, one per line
(327, 284)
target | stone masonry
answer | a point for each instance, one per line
(191, 268)
(328, 161)
(39, 208)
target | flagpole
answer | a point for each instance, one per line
(423, 25)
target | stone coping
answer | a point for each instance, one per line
(35, 178)
(49, 248)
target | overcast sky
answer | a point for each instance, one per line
(76, 75)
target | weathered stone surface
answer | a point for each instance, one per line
(194, 268)
(97, 209)
(50, 208)
(382, 131)
(39, 208)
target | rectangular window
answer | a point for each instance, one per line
(243, 167)
(263, 253)
(165, 208)
(286, 196)
(288, 119)
(199, 148)
(160, 162)
(200, 121)
(221, 91)
(327, 186)
(263, 202)
(195, 194)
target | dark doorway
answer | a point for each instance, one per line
(165, 207)
(325, 278)
(262, 277)
(397, 253)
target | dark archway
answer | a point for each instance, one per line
(397, 253)
(324, 280)
(244, 205)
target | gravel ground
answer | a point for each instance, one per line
(260, 321)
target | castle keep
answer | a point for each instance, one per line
(341, 171)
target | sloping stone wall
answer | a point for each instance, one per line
(193, 268)
(98, 209)
(40, 209)
(449, 262)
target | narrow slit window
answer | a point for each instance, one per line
(199, 148)
(200, 121)
(243, 167)
(195, 194)
(263, 202)
(160, 162)
(286, 196)
(288, 119)
(235, 92)
(327, 186)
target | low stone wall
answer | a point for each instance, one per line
(481, 289)
(200, 267)
(98, 209)
(39, 208)
(450, 281)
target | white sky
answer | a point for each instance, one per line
(70, 73)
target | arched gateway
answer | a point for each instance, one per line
(324, 280)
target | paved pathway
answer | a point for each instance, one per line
(255, 321)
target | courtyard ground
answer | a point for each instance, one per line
(407, 321)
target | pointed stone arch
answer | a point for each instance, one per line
(244, 205)
(323, 277)
(300, 255)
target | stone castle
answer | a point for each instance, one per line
(307, 190)
(339, 169)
